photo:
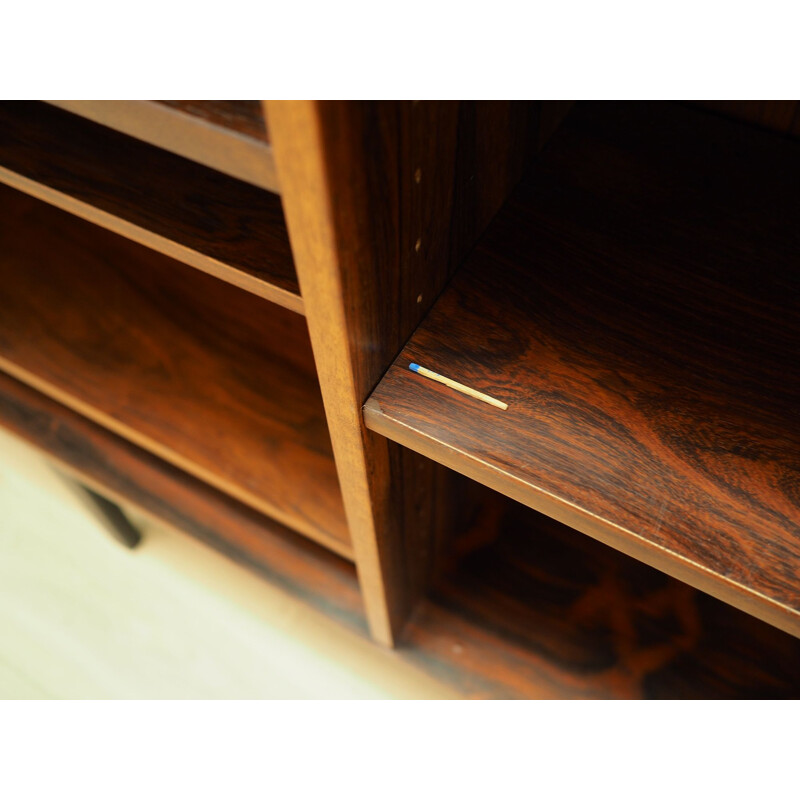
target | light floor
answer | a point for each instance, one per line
(81, 617)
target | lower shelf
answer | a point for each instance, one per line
(529, 609)
(216, 381)
(535, 609)
(129, 475)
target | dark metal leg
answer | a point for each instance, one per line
(107, 513)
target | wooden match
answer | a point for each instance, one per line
(459, 387)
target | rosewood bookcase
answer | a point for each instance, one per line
(208, 312)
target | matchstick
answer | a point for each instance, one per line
(459, 387)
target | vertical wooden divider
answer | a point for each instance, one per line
(368, 190)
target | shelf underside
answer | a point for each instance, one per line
(529, 609)
(636, 305)
(230, 136)
(210, 221)
(209, 377)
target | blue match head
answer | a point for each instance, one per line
(414, 367)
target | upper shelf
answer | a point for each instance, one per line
(204, 375)
(208, 220)
(227, 135)
(637, 305)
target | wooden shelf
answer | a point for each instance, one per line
(229, 136)
(208, 220)
(242, 117)
(529, 609)
(636, 305)
(534, 609)
(131, 476)
(206, 376)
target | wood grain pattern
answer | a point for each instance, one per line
(219, 225)
(529, 609)
(536, 610)
(133, 477)
(205, 375)
(224, 135)
(636, 305)
(243, 116)
(378, 198)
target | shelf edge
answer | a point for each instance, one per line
(142, 236)
(628, 542)
(222, 149)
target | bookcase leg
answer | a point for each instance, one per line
(106, 512)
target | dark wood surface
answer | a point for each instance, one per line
(229, 136)
(244, 116)
(220, 225)
(533, 609)
(529, 608)
(131, 476)
(382, 199)
(207, 376)
(781, 116)
(636, 305)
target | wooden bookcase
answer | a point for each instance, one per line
(209, 308)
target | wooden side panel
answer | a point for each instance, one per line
(376, 223)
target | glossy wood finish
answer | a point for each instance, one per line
(205, 375)
(528, 609)
(381, 200)
(533, 609)
(636, 305)
(219, 225)
(133, 477)
(222, 134)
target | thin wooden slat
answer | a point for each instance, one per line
(246, 117)
(636, 305)
(219, 225)
(221, 134)
(131, 476)
(208, 377)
